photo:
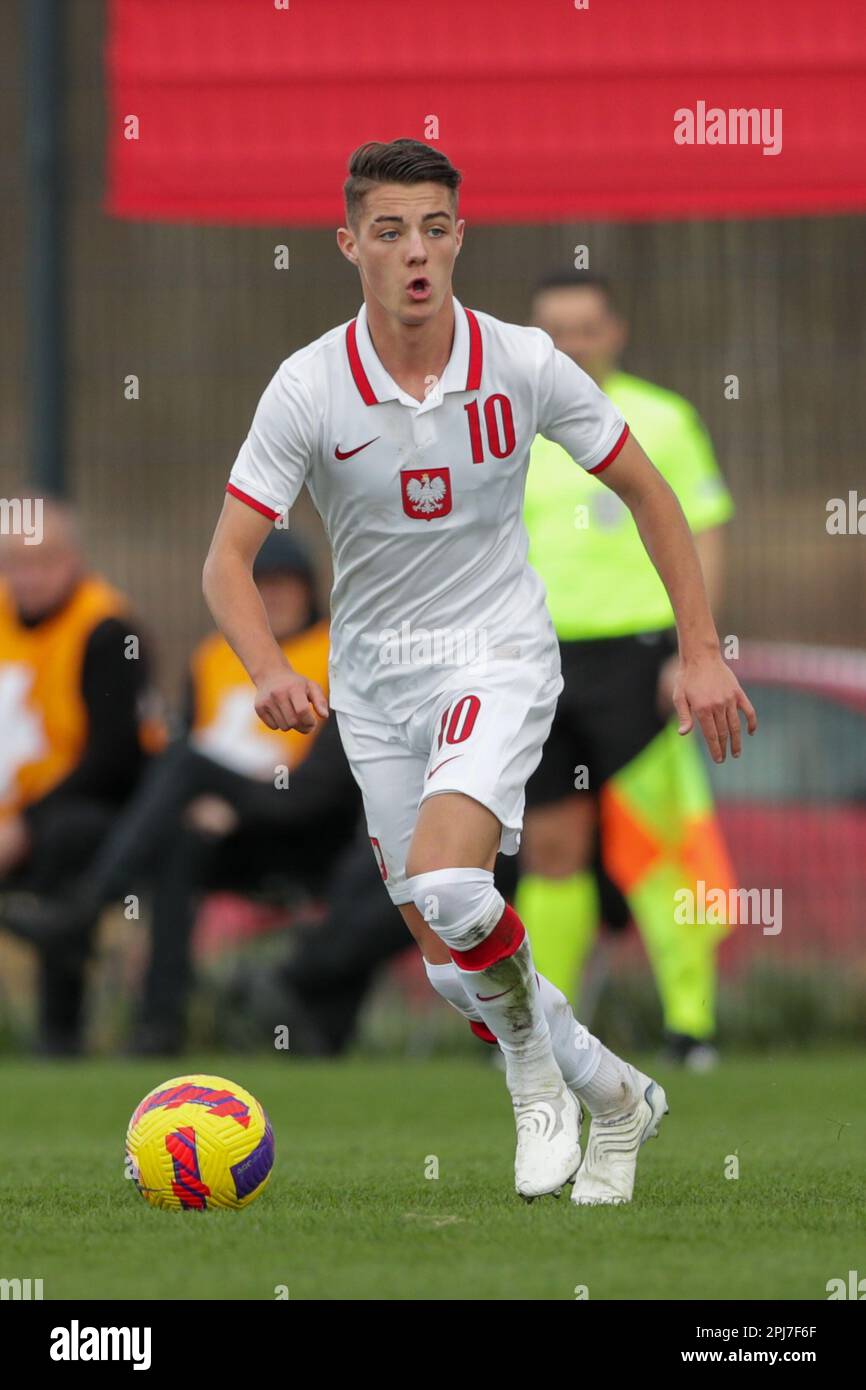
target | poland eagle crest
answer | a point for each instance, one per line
(426, 492)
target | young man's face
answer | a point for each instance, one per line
(405, 247)
(583, 325)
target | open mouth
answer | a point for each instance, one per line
(420, 287)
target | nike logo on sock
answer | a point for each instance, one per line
(486, 998)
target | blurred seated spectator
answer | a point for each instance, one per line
(75, 735)
(231, 804)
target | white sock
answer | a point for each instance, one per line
(446, 981)
(610, 1086)
(470, 916)
(577, 1052)
(508, 1001)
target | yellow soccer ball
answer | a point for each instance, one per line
(197, 1142)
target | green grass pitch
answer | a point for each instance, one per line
(350, 1214)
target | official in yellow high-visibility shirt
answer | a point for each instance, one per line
(614, 765)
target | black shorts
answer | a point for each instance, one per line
(607, 712)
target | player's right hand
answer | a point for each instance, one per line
(287, 700)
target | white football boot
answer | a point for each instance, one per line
(548, 1142)
(607, 1173)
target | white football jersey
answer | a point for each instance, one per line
(422, 501)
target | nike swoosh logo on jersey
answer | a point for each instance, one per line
(486, 998)
(338, 454)
(442, 764)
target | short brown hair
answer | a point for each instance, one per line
(395, 161)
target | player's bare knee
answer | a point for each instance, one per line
(419, 862)
(453, 829)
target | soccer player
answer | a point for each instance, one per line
(411, 426)
(645, 784)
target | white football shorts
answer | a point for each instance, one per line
(481, 733)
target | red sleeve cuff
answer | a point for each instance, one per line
(613, 453)
(251, 502)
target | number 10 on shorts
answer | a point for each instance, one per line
(458, 720)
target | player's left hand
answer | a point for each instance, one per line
(706, 690)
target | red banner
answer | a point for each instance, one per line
(247, 110)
